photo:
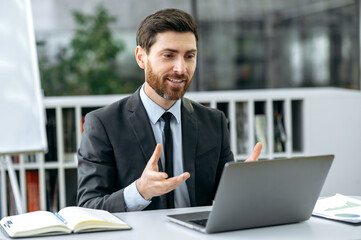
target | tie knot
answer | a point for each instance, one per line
(167, 116)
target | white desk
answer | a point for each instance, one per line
(154, 225)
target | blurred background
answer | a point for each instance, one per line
(302, 57)
(87, 47)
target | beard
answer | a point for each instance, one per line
(162, 88)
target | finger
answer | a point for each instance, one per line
(156, 176)
(166, 185)
(153, 161)
(256, 152)
(183, 177)
(174, 182)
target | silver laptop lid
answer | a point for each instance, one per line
(264, 193)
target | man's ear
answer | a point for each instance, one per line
(140, 56)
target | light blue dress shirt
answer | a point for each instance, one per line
(133, 200)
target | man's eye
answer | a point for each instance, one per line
(168, 55)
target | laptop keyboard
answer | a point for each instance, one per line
(200, 222)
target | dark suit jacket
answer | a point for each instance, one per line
(118, 141)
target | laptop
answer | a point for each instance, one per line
(262, 193)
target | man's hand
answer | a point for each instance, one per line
(256, 152)
(153, 183)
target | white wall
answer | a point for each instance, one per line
(333, 125)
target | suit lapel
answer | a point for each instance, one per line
(139, 121)
(189, 140)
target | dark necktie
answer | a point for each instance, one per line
(168, 154)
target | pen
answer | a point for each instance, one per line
(61, 218)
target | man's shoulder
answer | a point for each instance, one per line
(104, 110)
(118, 107)
(209, 121)
(199, 108)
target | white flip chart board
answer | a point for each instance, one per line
(22, 114)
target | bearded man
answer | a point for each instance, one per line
(122, 165)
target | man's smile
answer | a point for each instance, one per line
(176, 82)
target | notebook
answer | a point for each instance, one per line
(262, 193)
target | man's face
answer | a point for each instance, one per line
(170, 64)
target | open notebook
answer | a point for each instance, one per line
(262, 193)
(67, 220)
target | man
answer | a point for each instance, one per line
(121, 160)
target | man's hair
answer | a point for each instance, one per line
(161, 21)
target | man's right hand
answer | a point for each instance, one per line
(153, 183)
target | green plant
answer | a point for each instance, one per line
(88, 65)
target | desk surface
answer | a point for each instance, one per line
(154, 225)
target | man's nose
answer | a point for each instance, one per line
(180, 66)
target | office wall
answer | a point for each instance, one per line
(333, 125)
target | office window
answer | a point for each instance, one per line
(278, 44)
(250, 44)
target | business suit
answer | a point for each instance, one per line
(118, 141)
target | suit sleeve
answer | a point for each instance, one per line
(97, 174)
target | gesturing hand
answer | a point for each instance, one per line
(153, 183)
(256, 152)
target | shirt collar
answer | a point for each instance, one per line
(155, 111)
